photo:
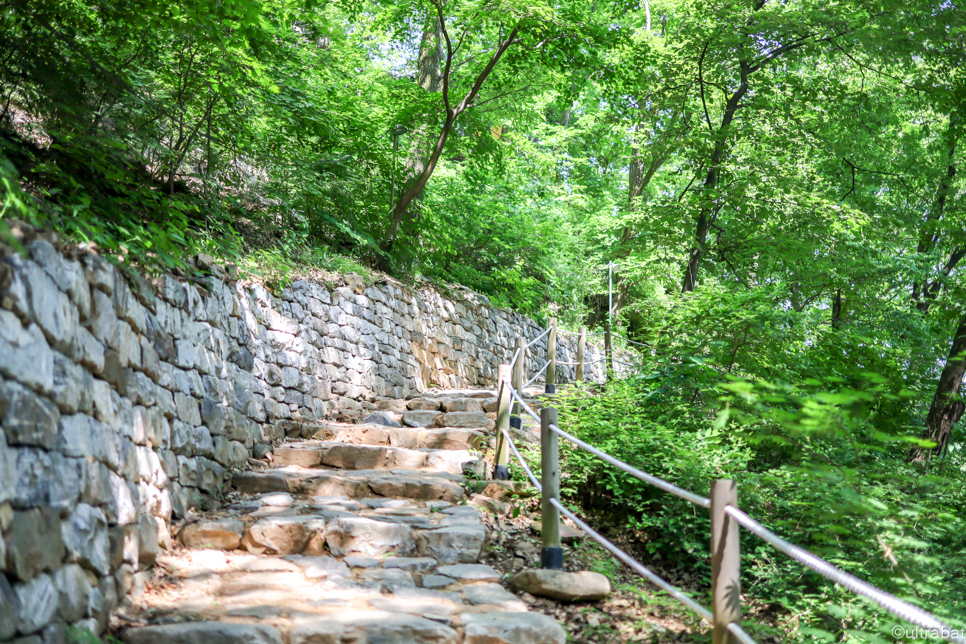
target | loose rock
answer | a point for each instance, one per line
(563, 586)
(223, 534)
(512, 628)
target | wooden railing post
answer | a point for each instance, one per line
(608, 353)
(500, 470)
(581, 345)
(551, 557)
(551, 386)
(725, 562)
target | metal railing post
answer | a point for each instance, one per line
(517, 381)
(725, 562)
(608, 353)
(500, 470)
(551, 557)
(551, 385)
(519, 369)
(581, 345)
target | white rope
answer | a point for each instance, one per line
(891, 603)
(633, 471)
(538, 374)
(530, 475)
(516, 356)
(523, 404)
(735, 629)
(640, 344)
(633, 563)
(537, 339)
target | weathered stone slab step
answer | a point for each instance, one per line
(445, 437)
(365, 457)
(359, 484)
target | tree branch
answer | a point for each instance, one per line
(707, 118)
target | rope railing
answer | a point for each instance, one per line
(527, 408)
(891, 603)
(725, 613)
(634, 564)
(523, 464)
(538, 374)
(538, 338)
(633, 471)
(516, 356)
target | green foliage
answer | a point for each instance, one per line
(809, 156)
(85, 636)
(823, 462)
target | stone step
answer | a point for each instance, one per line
(369, 457)
(218, 596)
(343, 527)
(407, 437)
(357, 484)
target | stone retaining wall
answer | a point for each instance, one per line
(125, 402)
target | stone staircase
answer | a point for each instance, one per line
(356, 533)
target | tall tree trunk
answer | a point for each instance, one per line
(946, 408)
(924, 293)
(430, 78)
(709, 208)
(452, 112)
(837, 310)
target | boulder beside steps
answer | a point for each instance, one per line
(357, 533)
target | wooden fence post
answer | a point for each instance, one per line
(551, 557)
(551, 381)
(581, 345)
(725, 562)
(500, 470)
(608, 354)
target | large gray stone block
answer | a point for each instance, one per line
(39, 601)
(27, 419)
(9, 610)
(33, 542)
(74, 589)
(25, 355)
(86, 539)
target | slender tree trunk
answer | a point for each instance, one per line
(837, 310)
(925, 292)
(709, 208)
(946, 408)
(430, 78)
(452, 113)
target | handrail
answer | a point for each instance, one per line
(526, 468)
(735, 629)
(633, 563)
(633, 471)
(516, 356)
(626, 339)
(537, 339)
(527, 408)
(889, 602)
(538, 374)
